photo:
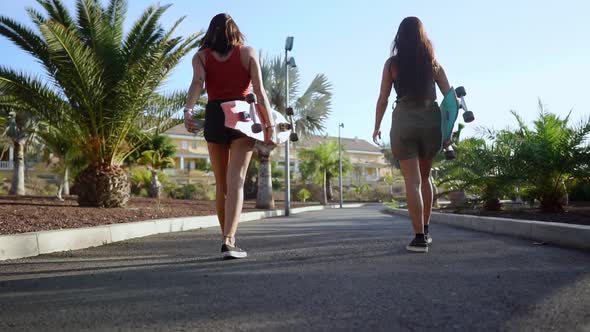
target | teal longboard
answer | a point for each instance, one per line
(449, 111)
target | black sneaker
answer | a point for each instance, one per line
(418, 245)
(229, 252)
(428, 238)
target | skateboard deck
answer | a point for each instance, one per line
(243, 116)
(449, 111)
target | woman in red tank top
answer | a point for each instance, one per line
(227, 68)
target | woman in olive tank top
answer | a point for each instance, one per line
(415, 132)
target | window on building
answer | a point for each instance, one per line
(184, 145)
(194, 145)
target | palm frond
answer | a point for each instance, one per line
(57, 12)
(80, 74)
(115, 15)
(159, 115)
(25, 38)
(90, 24)
(314, 107)
(143, 34)
(23, 92)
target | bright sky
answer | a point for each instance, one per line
(506, 53)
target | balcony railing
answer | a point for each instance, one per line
(9, 165)
(6, 165)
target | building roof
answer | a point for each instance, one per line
(350, 144)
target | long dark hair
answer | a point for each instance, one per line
(223, 34)
(413, 57)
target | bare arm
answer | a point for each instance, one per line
(194, 92)
(196, 88)
(386, 83)
(441, 80)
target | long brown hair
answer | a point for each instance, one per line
(223, 34)
(414, 59)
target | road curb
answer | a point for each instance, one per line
(16, 246)
(567, 235)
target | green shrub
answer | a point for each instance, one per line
(34, 186)
(49, 190)
(4, 186)
(379, 194)
(197, 191)
(579, 190)
(143, 192)
(393, 204)
(202, 165)
(186, 191)
(140, 179)
(303, 195)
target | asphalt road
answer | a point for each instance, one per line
(329, 270)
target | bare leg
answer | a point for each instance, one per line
(426, 188)
(411, 173)
(219, 154)
(239, 158)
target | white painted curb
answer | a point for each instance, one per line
(35, 243)
(567, 235)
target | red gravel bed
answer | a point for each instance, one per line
(34, 213)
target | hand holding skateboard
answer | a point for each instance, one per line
(193, 124)
(244, 117)
(453, 101)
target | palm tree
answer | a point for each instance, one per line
(549, 154)
(321, 163)
(19, 127)
(99, 81)
(155, 161)
(311, 108)
(61, 142)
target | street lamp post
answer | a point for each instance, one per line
(341, 125)
(288, 63)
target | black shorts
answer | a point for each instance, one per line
(215, 129)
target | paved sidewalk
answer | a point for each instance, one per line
(335, 269)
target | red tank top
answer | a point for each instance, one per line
(226, 79)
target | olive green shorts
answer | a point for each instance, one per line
(415, 130)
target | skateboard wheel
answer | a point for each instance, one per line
(294, 137)
(468, 116)
(460, 91)
(243, 116)
(284, 126)
(251, 98)
(256, 128)
(450, 154)
(289, 111)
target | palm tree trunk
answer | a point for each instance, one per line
(66, 181)
(103, 185)
(329, 192)
(155, 189)
(18, 177)
(324, 193)
(264, 199)
(434, 191)
(59, 190)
